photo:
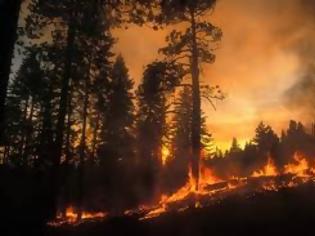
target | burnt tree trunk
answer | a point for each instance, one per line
(9, 16)
(196, 108)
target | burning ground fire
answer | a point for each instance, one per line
(72, 216)
(210, 190)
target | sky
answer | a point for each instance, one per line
(262, 65)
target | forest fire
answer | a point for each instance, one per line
(120, 114)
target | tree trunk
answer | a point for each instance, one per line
(68, 157)
(68, 131)
(64, 96)
(196, 108)
(94, 141)
(58, 144)
(83, 142)
(46, 139)
(28, 133)
(6, 154)
(9, 16)
(23, 127)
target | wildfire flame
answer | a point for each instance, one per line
(72, 216)
(268, 170)
(165, 153)
(300, 167)
(189, 188)
(210, 188)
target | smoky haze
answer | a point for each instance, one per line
(301, 94)
(264, 55)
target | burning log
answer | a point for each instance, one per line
(217, 186)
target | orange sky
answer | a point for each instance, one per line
(258, 60)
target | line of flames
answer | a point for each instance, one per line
(298, 168)
(73, 216)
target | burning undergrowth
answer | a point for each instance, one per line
(210, 190)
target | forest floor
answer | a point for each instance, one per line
(288, 211)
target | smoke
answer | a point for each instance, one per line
(266, 52)
(301, 95)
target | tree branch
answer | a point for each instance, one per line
(210, 101)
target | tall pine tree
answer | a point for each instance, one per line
(159, 80)
(191, 47)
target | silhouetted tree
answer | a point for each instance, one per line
(116, 152)
(9, 16)
(249, 159)
(265, 138)
(191, 47)
(31, 96)
(119, 118)
(235, 147)
(178, 165)
(80, 30)
(159, 79)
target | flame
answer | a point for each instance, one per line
(210, 188)
(299, 168)
(268, 170)
(206, 178)
(183, 192)
(72, 216)
(165, 152)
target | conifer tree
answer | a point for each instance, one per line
(191, 48)
(119, 117)
(9, 17)
(159, 80)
